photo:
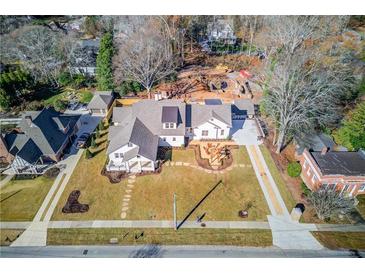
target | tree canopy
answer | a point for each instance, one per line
(104, 72)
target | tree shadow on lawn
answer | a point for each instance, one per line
(11, 195)
(199, 203)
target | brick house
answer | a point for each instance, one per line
(341, 170)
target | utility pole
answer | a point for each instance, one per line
(175, 221)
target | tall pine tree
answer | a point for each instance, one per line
(104, 72)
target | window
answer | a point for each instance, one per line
(222, 131)
(345, 188)
(362, 187)
(305, 163)
(130, 144)
(314, 178)
(167, 125)
(116, 155)
(173, 138)
(204, 132)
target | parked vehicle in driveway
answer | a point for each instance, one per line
(82, 140)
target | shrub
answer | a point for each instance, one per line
(34, 105)
(294, 169)
(64, 78)
(60, 105)
(101, 125)
(306, 191)
(52, 172)
(93, 143)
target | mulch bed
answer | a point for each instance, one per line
(73, 205)
(204, 163)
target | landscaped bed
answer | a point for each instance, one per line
(21, 199)
(338, 240)
(166, 236)
(152, 195)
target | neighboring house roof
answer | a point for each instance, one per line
(341, 163)
(244, 105)
(170, 114)
(30, 152)
(314, 142)
(101, 100)
(201, 114)
(137, 133)
(43, 130)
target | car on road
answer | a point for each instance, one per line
(82, 140)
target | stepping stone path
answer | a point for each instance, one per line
(131, 180)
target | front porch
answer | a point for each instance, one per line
(131, 166)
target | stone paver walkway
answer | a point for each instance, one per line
(126, 198)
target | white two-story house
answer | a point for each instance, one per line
(139, 130)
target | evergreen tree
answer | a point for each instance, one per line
(352, 133)
(104, 73)
(88, 154)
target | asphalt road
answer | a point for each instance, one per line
(155, 251)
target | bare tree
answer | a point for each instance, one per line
(290, 31)
(328, 202)
(302, 95)
(40, 50)
(145, 56)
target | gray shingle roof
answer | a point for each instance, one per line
(245, 104)
(137, 133)
(30, 152)
(341, 163)
(203, 113)
(101, 100)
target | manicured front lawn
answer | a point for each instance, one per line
(152, 195)
(166, 236)
(284, 191)
(103, 198)
(8, 236)
(337, 240)
(21, 199)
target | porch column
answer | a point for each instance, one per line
(139, 165)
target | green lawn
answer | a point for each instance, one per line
(152, 194)
(103, 198)
(284, 191)
(21, 199)
(83, 95)
(166, 236)
(7, 236)
(337, 240)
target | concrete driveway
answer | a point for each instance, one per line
(244, 132)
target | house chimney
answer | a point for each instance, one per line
(28, 119)
(324, 150)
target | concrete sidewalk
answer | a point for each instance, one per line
(7, 179)
(158, 224)
(14, 225)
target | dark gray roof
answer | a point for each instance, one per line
(30, 152)
(170, 114)
(149, 112)
(203, 113)
(45, 132)
(341, 163)
(137, 133)
(213, 102)
(101, 100)
(314, 142)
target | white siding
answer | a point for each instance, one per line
(216, 130)
(174, 141)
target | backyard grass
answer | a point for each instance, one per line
(21, 199)
(284, 191)
(186, 155)
(159, 236)
(337, 240)
(152, 194)
(9, 234)
(361, 205)
(83, 95)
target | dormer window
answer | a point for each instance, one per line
(170, 125)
